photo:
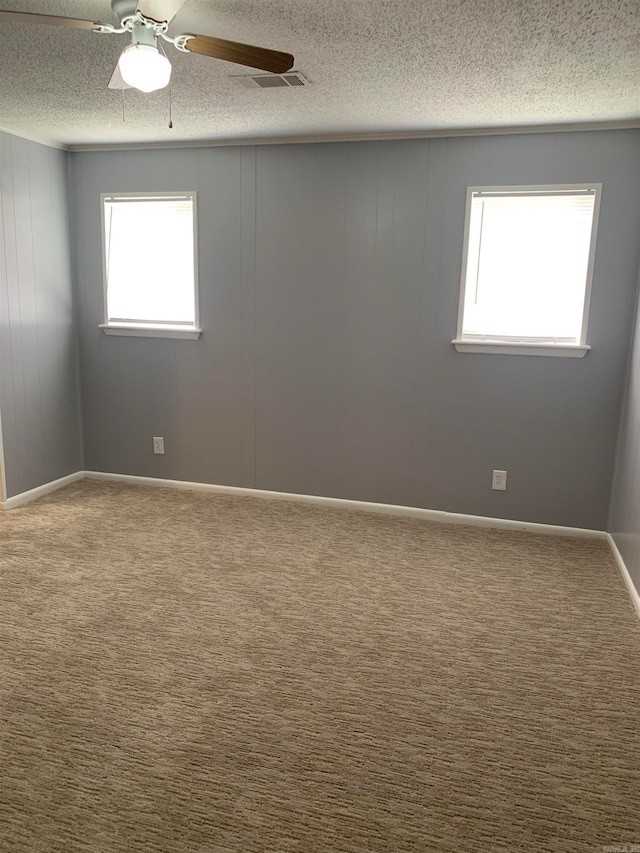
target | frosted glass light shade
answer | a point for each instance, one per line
(144, 67)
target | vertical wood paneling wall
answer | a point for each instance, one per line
(39, 402)
(624, 523)
(329, 280)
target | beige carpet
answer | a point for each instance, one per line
(181, 672)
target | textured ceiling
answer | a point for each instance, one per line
(376, 67)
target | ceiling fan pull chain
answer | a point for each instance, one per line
(122, 90)
(165, 55)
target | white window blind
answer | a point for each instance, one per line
(149, 259)
(528, 265)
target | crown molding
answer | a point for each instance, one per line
(29, 137)
(374, 136)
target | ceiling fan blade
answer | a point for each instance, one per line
(56, 20)
(116, 81)
(160, 10)
(243, 54)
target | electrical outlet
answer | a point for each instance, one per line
(158, 445)
(499, 482)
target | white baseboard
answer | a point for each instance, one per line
(626, 577)
(40, 491)
(344, 503)
(363, 506)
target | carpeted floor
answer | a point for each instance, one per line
(182, 673)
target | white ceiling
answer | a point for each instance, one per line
(376, 66)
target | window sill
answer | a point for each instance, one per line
(513, 348)
(186, 334)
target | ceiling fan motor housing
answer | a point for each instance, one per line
(124, 8)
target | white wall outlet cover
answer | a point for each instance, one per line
(158, 445)
(499, 481)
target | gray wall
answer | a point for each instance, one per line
(39, 402)
(329, 278)
(624, 523)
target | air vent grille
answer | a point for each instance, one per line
(290, 80)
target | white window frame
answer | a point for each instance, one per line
(150, 330)
(504, 346)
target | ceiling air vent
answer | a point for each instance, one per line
(290, 80)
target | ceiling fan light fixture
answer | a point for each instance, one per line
(143, 67)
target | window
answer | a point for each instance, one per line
(149, 264)
(526, 270)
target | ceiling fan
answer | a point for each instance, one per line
(141, 65)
